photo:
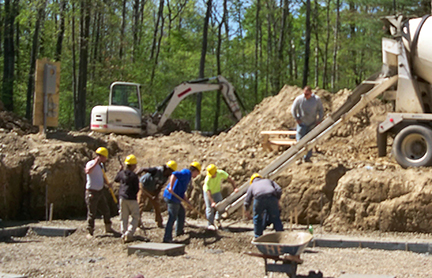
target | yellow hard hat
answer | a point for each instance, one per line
(196, 165)
(211, 170)
(256, 175)
(102, 151)
(172, 165)
(130, 160)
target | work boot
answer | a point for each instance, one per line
(109, 229)
(89, 232)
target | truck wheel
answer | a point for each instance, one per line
(412, 146)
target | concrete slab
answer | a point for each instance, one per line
(13, 231)
(365, 276)
(157, 249)
(53, 231)
(8, 275)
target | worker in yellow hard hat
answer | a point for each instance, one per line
(265, 194)
(129, 186)
(152, 183)
(212, 192)
(94, 196)
(174, 192)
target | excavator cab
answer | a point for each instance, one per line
(123, 114)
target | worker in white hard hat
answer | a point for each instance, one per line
(265, 194)
(129, 186)
(212, 192)
(152, 183)
(174, 193)
(94, 196)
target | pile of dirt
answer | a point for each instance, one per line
(12, 122)
(337, 189)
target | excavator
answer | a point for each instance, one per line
(123, 115)
(405, 80)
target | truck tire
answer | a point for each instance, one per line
(412, 146)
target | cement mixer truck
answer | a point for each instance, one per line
(405, 79)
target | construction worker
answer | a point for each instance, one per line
(152, 182)
(308, 112)
(174, 192)
(266, 194)
(94, 196)
(129, 186)
(212, 192)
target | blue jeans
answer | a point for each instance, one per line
(176, 212)
(302, 130)
(210, 212)
(270, 205)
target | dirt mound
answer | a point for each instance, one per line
(12, 122)
(338, 189)
(170, 126)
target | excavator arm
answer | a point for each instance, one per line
(192, 87)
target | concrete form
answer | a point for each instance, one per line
(53, 231)
(348, 242)
(13, 231)
(8, 275)
(365, 276)
(157, 249)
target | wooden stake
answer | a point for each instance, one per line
(296, 215)
(51, 212)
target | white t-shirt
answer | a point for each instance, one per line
(95, 180)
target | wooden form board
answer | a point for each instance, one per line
(38, 100)
(277, 138)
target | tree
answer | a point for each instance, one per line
(10, 8)
(34, 53)
(307, 44)
(80, 105)
(201, 73)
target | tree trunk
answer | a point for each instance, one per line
(335, 47)
(307, 44)
(135, 27)
(122, 30)
(9, 54)
(74, 76)
(33, 57)
(219, 68)
(61, 32)
(159, 18)
(317, 50)
(80, 120)
(327, 40)
(281, 43)
(257, 45)
(202, 64)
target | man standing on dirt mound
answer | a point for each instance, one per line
(174, 194)
(129, 186)
(266, 194)
(212, 192)
(308, 111)
(153, 180)
(94, 195)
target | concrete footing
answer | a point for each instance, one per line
(418, 247)
(8, 275)
(365, 276)
(53, 231)
(13, 232)
(157, 249)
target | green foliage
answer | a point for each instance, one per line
(178, 43)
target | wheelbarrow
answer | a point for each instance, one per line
(282, 246)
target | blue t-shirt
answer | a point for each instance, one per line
(180, 186)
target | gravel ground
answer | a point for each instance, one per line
(208, 254)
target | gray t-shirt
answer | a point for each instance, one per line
(307, 110)
(95, 180)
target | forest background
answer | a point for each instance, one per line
(258, 45)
